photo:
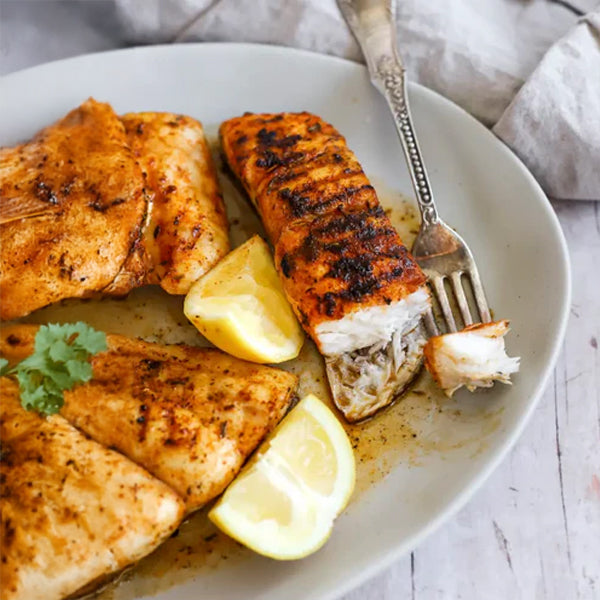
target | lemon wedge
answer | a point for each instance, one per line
(285, 500)
(241, 308)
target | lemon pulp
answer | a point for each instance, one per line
(284, 502)
(240, 306)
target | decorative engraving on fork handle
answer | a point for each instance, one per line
(391, 76)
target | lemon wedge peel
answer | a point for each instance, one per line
(240, 306)
(273, 507)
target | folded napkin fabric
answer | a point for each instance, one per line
(528, 68)
(553, 123)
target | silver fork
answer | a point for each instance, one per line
(440, 252)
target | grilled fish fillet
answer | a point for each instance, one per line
(71, 510)
(190, 416)
(474, 357)
(353, 285)
(97, 205)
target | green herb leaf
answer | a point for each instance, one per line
(60, 361)
(79, 371)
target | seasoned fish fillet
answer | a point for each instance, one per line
(72, 511)
(186, 234)
(474, 357)
(72, 207)
(353, 285)
(98, 205)
(190, 416)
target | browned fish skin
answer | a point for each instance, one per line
(71, 510)
(190, 416)
(335, 249)
(187, 232)
(98, 205)
(93, 191)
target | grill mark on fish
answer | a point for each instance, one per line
(310, 249)
(351, 268)
(284, 176)
(329, 303)
(304, 169)
(306, 200)
(375, 244)
(349, 222)
(357, 291)
(269, 159)
(269, 139)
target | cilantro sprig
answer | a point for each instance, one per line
(60, 361)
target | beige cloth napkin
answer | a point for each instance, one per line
(528, 68)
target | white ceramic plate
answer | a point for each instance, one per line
(481, 189)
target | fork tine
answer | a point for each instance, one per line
(461, 299)
(440, 292)
(479, 294)
(430, 324)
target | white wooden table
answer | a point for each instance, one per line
(533, 531)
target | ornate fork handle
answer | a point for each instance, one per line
(373, 25)
(391, 75)
(440, 252)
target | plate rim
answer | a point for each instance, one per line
(410, 542)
